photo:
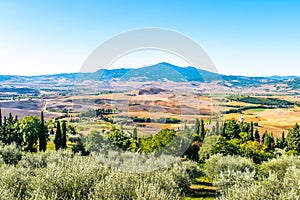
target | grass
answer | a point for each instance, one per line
(51, 145)
(257, 109)
(201, 189)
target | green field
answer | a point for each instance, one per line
(257, 110)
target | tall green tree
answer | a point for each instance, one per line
(64, 135)
(269, 140)
(217, 132)
(201, 130)
(231, 130)
(223, 127)
(16, 136)
(29, 127)
(134, 133)
(10, 129)
(196, 132)
(58, 137)
(43, 135)
(256, 136)
(118, 138)
(282, 141)
(94, 142)
(293, 138)
(277, 143)
(10, 133)
(263, 137)
(250, 132)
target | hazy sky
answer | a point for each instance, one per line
(257, 37)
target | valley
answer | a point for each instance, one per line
(157, 98)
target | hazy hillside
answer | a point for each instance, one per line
(158, 72)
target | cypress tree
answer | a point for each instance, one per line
(263, 136)
(64, 135)
(134, 133)
(282, 141)
(250, 132)
(197, 130)
(42, 135)
(267, 140)
(224, 130)
(217, 128)
(10, 119)
(57, 139)
(201, 130)
(256, 136)
(16, 119)
(272, 140)
(277, 143)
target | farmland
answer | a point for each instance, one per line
(164, 104)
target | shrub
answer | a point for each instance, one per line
(33, 161)
(10, 154)
(73, 179)
(279, 165)
(63, 175)
(270, 187)
(218, 164)
(237, 178)
(14, 183)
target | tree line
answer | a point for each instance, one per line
(30, 133)
(229, 138)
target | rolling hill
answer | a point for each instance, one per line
(159, 72)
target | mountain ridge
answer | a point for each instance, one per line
(158, 72)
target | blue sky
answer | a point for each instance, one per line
(257, 37)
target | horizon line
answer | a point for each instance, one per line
(143, 66)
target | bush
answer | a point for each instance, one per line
(237, 178)
(71, 180)
(237, 186)
(151, 186)
(10, 154)
(34, 161)
(266, 188)
(279, 165)
(218, 164)
(14, 183)
(63, 175)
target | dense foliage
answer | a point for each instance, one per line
(275, 179)
(264, 101)
(234, 155)
(62, 175)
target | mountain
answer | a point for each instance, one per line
(275, 77)
(159, 72)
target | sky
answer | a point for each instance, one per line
(252, 38)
